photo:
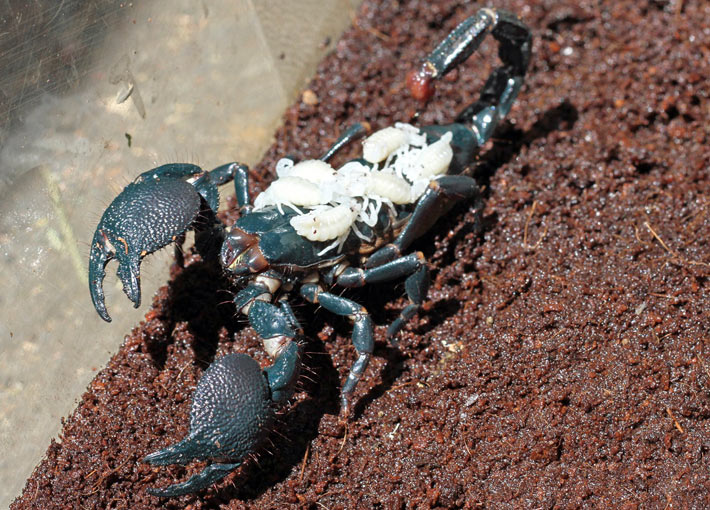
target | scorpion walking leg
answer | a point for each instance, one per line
(417, 283)
(277, 330)
(354, 132)
(439, 197)
(363, 337)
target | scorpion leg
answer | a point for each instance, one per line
(416, 286)
(278, 327)
(290, 316)
(209, 230)
(354, 132)
(278, 333)
(240, 174)
(417, 283)
(440, 196)
(235, 402)
(206, 184)
(363, 336)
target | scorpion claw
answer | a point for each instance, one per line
(138, 223)
(102, 251)
(230, 416)
(98, 258)
(211, 474)
(129, 274)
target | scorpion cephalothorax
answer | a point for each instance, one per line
(314, 228)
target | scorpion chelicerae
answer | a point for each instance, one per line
(313, 229)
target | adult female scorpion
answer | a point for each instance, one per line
(360, 220)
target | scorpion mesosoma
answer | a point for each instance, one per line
(313, 229)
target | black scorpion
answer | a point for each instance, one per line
(235, 401)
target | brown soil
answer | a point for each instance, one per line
(561, 359)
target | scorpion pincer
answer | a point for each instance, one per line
(314, 229)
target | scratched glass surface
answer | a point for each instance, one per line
(91, 95)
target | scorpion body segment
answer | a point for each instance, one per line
(314, 229)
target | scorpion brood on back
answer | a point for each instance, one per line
(313, 229)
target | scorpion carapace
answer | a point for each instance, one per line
(314, 229)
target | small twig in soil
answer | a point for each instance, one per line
(370, 30)
(408, 383)
(653, 232)
(659, 339)
(177, 377)
(638, 237)
(465, 445)
(677, 258)
(490, 280)
(525, 230)
(342, 445)
(678, 8)
(705, 367)
(669, 502)
(303, 464)
(675, 422)
(103, 477)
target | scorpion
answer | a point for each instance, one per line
(315, 228)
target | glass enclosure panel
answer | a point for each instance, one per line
(91, 95)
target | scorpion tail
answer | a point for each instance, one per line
(502, 86)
